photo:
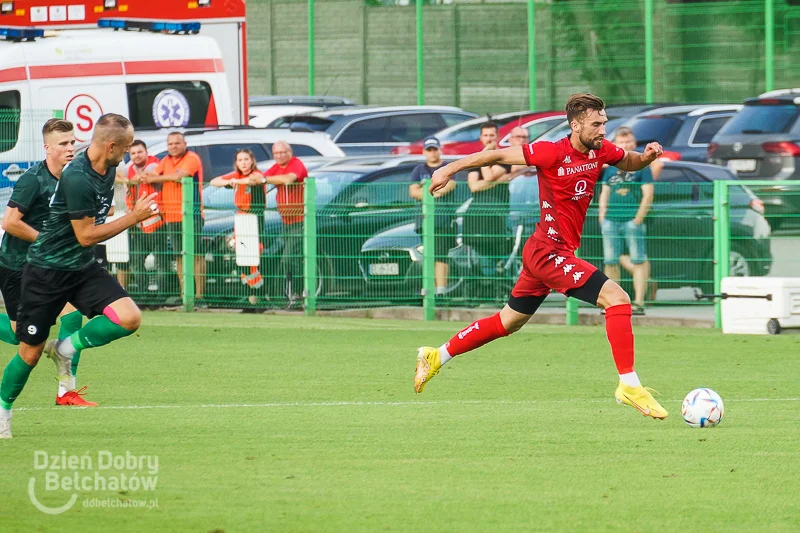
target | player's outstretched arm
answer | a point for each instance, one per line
(88, 234)
(506, 156)
(633, 161)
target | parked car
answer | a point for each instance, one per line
(683, 131)
(217, 148)
(266, 109)
(679, 229)
(762, 142)
(363, 130)
(616, 116)
(464, 138)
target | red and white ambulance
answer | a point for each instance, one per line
(162, 65)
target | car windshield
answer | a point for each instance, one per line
(330, 182)
(761, 119)
(301, 122)
(655, 129)
(471, 130)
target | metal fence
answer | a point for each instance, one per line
(367, 244)
(482, 56)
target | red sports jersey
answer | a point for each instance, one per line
(566, 186)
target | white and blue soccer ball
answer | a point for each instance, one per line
(702, 408)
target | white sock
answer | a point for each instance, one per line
(441, 290)
(444, 355)
(65, 347)
(630, 379)
(65, 384)
(5, 413)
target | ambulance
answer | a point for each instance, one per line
(80, 61)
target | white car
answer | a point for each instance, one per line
(217, 148)
(265, 109)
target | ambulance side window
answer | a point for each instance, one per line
(9, 119)
(170, 104)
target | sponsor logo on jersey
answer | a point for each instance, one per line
(546, 205)
(549, 218)
(567, 160)
(592, 155)
(581, 190)
(581, 168)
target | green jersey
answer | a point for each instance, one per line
(31, 196)
(81, 192)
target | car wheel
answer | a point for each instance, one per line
(739, 267)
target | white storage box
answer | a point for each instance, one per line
(769, 305)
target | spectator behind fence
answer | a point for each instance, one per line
(288, 174)
(445, 237)
(486, 222)
(249, 186)
(178, 164)
(624, 202)
(143, 238)
(519, 137)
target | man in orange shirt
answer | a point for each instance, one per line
(288, 174)
(178, 164)
(143, 237)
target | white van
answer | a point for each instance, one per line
(157, 80)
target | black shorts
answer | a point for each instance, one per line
(10, 286)
(174, 231)
(45, 292)
(443, 242)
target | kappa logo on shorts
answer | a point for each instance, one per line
(568, 268)
(549, 218)
(551, 231)
(559, 260)
(577, 276)
(549, 257)
(546, 205)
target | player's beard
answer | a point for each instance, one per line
(592, 143)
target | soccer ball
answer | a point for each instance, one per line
(702, 408)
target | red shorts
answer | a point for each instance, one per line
(547, 267)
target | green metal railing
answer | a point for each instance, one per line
(372, 244)
(506, 56)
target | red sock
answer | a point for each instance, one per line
(476, 335)
(620, 336)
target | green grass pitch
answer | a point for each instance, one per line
(311, 424)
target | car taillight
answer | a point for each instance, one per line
(757, 206)
(401, 150)
(711, 149)
(782, 148)
(671, 156)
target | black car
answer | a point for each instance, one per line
(762, 142)
(683, 131)
(364, 130)
(679, 230)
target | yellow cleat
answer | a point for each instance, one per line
(640, 399)
(428, 365)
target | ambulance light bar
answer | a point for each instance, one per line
(169, 27)
(20, 34)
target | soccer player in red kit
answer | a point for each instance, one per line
(568, 170)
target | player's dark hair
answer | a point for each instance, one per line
(488, 125)
(578, 104)
(139, 142)
(249, 152)
(57, 124)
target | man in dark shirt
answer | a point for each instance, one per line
(445, 235)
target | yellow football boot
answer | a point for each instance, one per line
(428, 365)
(640, 399)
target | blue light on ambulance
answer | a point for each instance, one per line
(155, 26)
(20, 34)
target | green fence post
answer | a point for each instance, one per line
(311, 73)
(572, 307)
(428, 254)
(187, 190)
(310, 247)
(648, 51)
(420, 57)
(722, 244)
(532, 54)
(769, 44)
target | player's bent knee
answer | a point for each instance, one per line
(513, 320)
(612, 294)
(124, 313)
